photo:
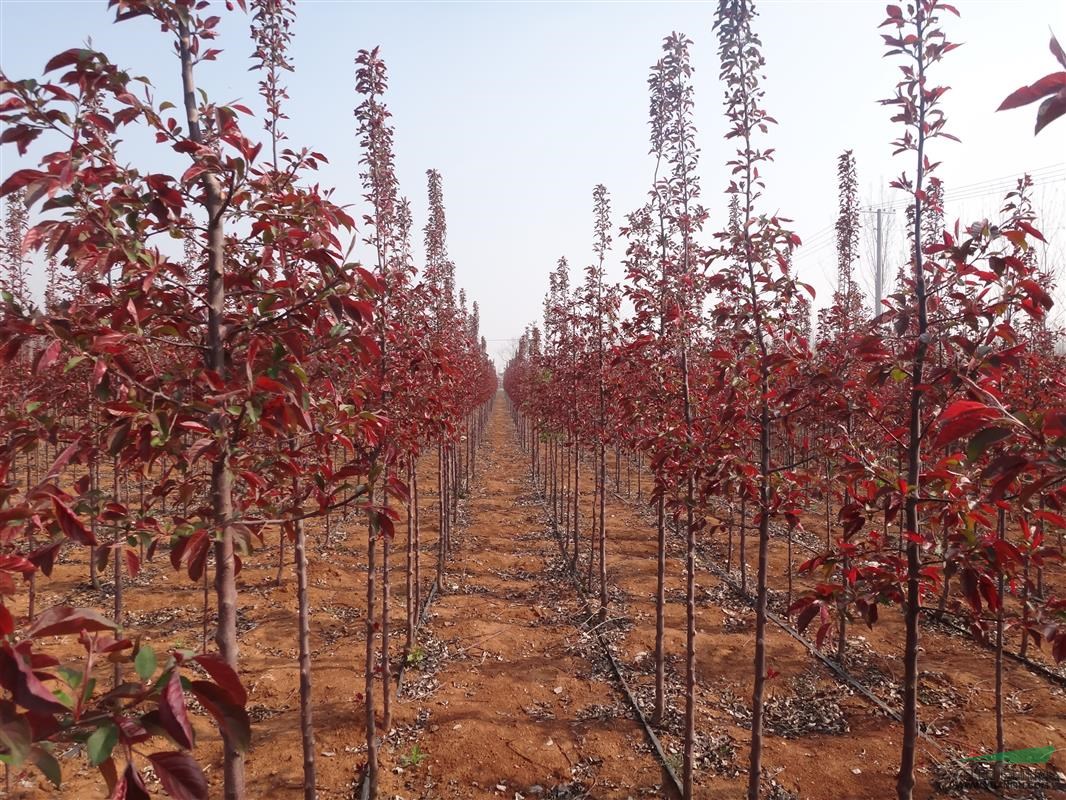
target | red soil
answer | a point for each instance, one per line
(506, 694)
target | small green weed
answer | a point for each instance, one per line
(413, 757)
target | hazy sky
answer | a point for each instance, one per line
(524, 107)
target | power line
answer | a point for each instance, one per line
(984, 189)
(819, 245)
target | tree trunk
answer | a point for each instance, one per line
(690, 638)
(755, 761)
(94, 488)
(307, 730)
(577, 500)
(997, 766)
(370, 722)
(221, 475)
(660, 613)
(418, 543)
(603, 532)
(281, 555)
(441, 516)
(386, 597)
(118, 555)
(743, 543)
(409, 573)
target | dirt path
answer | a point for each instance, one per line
(508, 699)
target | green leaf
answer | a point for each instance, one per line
(982, 440)
(71, 676)
(101, 742)
(73, 362)
(144, 662)
(48, 765)
(16, 738)
(87, 692)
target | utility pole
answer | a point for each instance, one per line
(879, 267)
(879, 258)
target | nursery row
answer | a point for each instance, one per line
(210, 373)
(920, 441)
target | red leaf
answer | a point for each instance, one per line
(193, 172)
(1058, 520)
(180, 775)
(1025, 226)
(62, 460)
(99, 369)
(13, 563)
(231, 718)
(1051, 109)
(62, 620)
(130, 786)
(18, 677)
(20, 178)
(1058, 649)
(196, 554)
(44, 558)
(7, 622)
(47, 357)
(266, 384)
(133, 563)
(962, 407)
(1056, 50)
(172, 714)
(806, 616)
(177, 550)
(67, 58)
(110, 774)
(1049, 84)
(991, 595)
(223, 674)
(72, 527)
(968, 581)
(819, 637)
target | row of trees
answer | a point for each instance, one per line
(933, 425)
(190, 399)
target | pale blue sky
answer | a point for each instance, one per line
(524, 107)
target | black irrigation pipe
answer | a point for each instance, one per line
(1033, 666)
(649, 733)
(841, 674)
